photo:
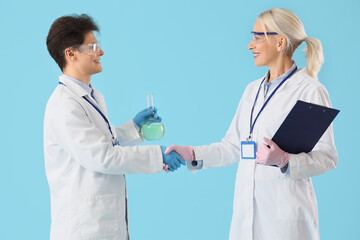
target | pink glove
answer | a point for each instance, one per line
(271, 156)
(186, 152)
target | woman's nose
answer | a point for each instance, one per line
(251, 45)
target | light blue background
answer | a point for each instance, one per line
(192, 54)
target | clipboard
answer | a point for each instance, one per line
(303, 127)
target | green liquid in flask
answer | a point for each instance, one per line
(153, 131)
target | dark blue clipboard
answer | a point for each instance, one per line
(303, 127)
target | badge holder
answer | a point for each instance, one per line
(248, 149)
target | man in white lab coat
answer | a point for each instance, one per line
(85, 157)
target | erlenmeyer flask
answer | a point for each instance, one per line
(153, 129)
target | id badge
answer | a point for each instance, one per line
(248, 150)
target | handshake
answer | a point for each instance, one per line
(175, 156)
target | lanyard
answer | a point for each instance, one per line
(103, 116)
(252, 124)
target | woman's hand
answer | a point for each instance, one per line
(269, 153)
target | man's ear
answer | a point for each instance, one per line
(70, 54)
(281, 44)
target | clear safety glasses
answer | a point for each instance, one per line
(90, 49)
(260, 36)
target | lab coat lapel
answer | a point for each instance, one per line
(295, 80)
(100, 101)
(80, 92)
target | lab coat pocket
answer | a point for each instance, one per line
(296, 201)
(98, 217)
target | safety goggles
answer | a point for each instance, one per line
(260, 36)
(90, 49)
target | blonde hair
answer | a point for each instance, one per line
(287, 24)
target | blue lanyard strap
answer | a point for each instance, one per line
(252, 124)
(97, 109)
(103, 116)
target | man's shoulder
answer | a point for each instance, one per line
(62, 98)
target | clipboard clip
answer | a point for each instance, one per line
(310, 107)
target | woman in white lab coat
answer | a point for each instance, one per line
(269, 204)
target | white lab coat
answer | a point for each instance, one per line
(85, 171)
(270, 205)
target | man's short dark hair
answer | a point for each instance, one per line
(68, 31)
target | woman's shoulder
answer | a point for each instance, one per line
(302, 77)
(311, 89)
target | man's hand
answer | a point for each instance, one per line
(171, 160)
(142, 117)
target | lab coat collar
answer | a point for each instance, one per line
(81, 92)
(295, 79)
(75, 88)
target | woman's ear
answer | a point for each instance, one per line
(281, 44)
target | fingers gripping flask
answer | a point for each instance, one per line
(153, 129)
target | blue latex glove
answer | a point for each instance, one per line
(172, 159)
(145, 116)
